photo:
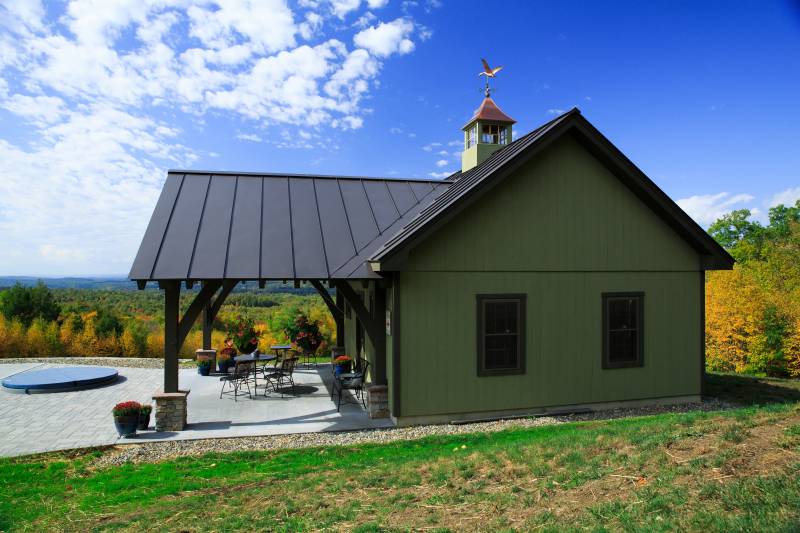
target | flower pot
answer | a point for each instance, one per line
(224, 365)
(204, 370)
(126, 425)
(144, 422)
(341, 369)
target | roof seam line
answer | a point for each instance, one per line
(291, 225)
(230, 228)
(166, 229)
(347, 217)
(199, 227)
(410, 188)
(321, 233)
(372, 211)
(261, 232)
(399, 214)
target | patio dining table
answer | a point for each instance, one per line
(254, 358)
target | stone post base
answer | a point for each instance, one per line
(378, 401)
(210, 355)
(170, 410)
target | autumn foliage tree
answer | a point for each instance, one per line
(753, 311)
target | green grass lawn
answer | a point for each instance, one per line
(736, 470)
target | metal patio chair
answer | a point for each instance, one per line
(354, 381)
(240, 379)
(281, 377)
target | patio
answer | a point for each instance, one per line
(57, 421)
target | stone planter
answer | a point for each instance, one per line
(126, 425)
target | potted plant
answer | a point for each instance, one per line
(144, 416)
(126, 418)
(203, 367)
(242, 332)
(308, 336)
(225, 356)
(342, 364)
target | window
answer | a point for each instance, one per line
(472, 136)
(503, 137)
(623, 329)
(490, 134)
(501, 334)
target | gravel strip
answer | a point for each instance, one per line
(160, 451)
(128, 362)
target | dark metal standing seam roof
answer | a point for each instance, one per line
(211, 225)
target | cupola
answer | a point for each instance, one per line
(487, 131)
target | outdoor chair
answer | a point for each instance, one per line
(237, 381)
(354, 381)
(309, 359)
(280, 377)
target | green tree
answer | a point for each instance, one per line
(29, 303)
(107, 324)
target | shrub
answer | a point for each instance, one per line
(146, 409)
(127, 409)
(203, 363)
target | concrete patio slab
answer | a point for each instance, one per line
(65, 420)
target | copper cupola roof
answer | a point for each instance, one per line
(489, 111)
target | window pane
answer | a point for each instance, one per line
(500, 352)
(622, 346)
(622, 313)
(501, 317)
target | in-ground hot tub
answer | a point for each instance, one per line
(62, 378)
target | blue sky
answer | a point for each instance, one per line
(98, 99)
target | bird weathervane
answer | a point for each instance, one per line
(489, 72)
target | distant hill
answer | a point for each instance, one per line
(114, 283)
(123, 284)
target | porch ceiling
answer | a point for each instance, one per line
(263, 226)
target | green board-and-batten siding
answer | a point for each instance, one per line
(562, 230)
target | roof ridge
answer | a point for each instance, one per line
(294, 175)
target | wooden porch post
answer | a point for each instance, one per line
(172, 292)
(340, 320)
(379, 342)
(373, 322)
(208, 321)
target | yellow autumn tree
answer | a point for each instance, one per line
(735, 307)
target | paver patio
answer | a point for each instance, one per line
(64, 420)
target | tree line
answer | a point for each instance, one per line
(37, 321)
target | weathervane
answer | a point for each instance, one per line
(489, 72)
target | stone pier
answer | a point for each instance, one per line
(170, 410)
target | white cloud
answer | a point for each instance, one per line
(443, 153)
(252, 137)
(430, 146)
(440, 175)
(377, 4)
(555, 111)
(341, 8)
(788, 197)
(395, 131)
(707, 208)
(103, 88)
(455, 143)
(387, 38)
(441, 163)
